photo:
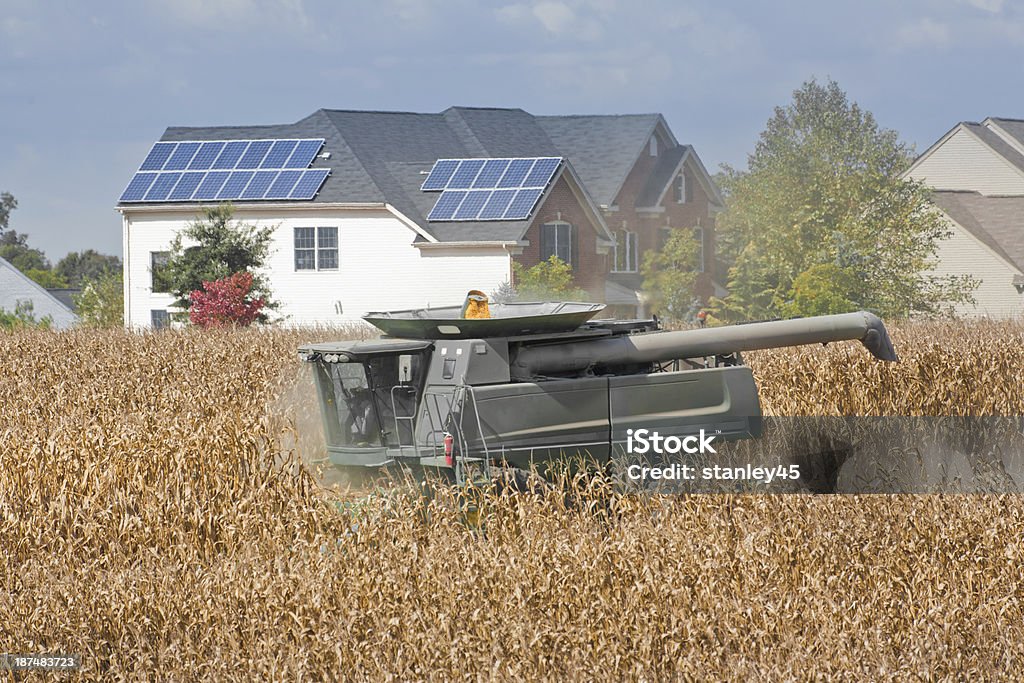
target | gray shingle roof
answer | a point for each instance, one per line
(1015, 127)
(997, 144)
(662, 174)
(997, 221)
(602, 149)
(383, 156)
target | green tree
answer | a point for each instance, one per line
(15, 249)
(550, 280)
(101, 301)
(80, 267)
(47, 279)
(22, 317)
(220, 250)
(822, 221)
(7, 204)
(670, 273)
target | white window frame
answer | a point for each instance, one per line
(318, 251)
(631, 258)
(153, 257)
(557, 226)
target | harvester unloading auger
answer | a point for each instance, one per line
(524, 384)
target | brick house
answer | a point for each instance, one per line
(370, 209)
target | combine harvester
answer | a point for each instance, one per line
(462, 389)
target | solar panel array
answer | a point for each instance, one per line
(223, 170)
(488, 189)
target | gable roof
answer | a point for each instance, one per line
(998, 222)
(1012, 127)
(20, 286)
(996, 144)
(383, 157)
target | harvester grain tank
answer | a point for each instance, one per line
(527, 383)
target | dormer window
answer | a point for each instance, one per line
(654, 146)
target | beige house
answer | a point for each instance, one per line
(977, 170)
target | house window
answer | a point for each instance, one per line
(626, 252)
(160, 284)
(316, 248)
(653, 148)
(680, 188)
(556, 240)
(159, 319)
(698, 236)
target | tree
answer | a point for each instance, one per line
(101, 301)
(822, 221)
(221, 250)
(77, 268)
(225, 302)
(7, 204)
(22, 317)
(669, 275)
(550, 280)
(14, 248)
(47, 279)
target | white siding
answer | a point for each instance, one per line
(16, 287)
(996, 297)
(963, 162)
(379, 268)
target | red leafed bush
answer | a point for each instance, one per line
(225, 302)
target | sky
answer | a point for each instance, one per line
(87, 87)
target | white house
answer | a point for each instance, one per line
(977, 170)
(19, 292)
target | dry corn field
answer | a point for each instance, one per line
(156, 516)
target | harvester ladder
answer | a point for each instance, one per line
(411, 419)
(464, 461)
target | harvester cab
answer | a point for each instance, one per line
(522, 384)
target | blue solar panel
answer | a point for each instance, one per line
(182, 155)
(158, 156)
(254, 155)
(516, 173)
(446, 205)
(440, 174)
(304, 153)
(279, 153)
(162, 187)
(259, 184)
(496, 205)
(186, 187)
(522, 205)
(283, 186)
(470, 207)
(541, 172)
(310, 183)
(138, 187)
(233, 151)
(235, 185)
(186, 177)
(491, 173)
(211, 185)
(206, 155)
(466, 174)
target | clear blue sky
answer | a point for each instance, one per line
(87, 87)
